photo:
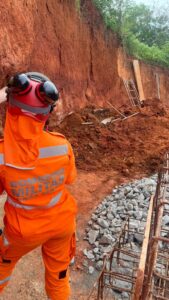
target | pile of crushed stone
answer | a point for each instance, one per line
(103, 229)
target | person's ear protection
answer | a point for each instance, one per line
(32, 93)
(46, 91)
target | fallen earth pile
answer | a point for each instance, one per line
(131, 145)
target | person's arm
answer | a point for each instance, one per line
(72, 168)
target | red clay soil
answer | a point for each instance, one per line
(129, 146)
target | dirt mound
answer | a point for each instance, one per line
(131, 145)
(135, 144)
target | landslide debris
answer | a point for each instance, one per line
(132, 145)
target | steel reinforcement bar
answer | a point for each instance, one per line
(142, 275)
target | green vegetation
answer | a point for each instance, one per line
(143, 32)
(77, 4)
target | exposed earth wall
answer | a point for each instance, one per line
(73, 48)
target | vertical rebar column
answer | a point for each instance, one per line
(146, 295)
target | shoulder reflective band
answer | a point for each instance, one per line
(36, 110)
(52, 203)
(5, 280)
(53, 151)
(45, 152)
(1, 159)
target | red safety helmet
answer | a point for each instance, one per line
(31, 94)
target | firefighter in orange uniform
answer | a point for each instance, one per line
(35, 167)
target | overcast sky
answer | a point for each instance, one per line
(154, 2)
(157, 5)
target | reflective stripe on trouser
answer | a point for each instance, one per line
(4, 282)
(57, 253)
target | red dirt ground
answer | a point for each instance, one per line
(106, 156)
(128, 146)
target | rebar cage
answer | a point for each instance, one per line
(135, 273)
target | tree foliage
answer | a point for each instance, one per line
(143, 32)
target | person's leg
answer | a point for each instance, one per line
(57, 254)
(10, 252)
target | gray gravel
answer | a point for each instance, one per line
(106, 221)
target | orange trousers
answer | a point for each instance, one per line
(57, 253)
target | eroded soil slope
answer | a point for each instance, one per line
(70, 46)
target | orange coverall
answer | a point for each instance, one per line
(39, 210)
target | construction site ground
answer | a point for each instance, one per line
(106, 156)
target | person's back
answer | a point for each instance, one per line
(35, 166)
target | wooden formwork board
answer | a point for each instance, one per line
(137, 73)
(141, 269)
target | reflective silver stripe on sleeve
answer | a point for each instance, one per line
(1, 159)
(53, 151)
(52, 203)
(20, 168)
(5, 280)
(36, 110)
(5, 241)
(17, 205)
